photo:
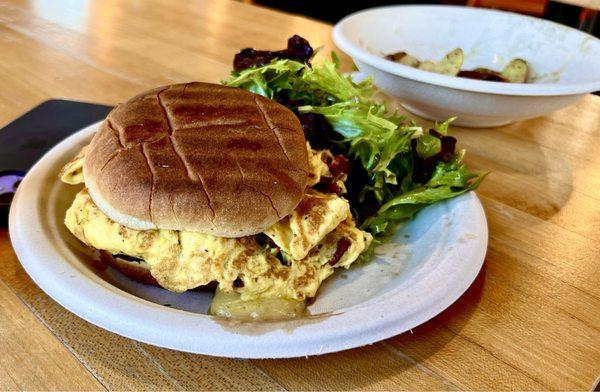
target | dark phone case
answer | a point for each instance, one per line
(26, 139)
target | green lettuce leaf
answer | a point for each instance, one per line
(380, 142)
(268, 80)
(429, 145)
(327, 79)
(448, 180)
(374, 136)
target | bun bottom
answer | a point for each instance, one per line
(134, 269)
(139, 271)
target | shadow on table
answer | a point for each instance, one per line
(527, 172)
(432, 336)
(389, 365)
(531, 181)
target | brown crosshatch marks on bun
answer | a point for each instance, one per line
(198, 157)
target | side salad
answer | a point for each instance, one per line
(396, 168)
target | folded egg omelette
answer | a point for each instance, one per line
(285, 264)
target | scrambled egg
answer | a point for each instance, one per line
(318, 169)
(181, 260)
(316, 237)
(72, 172)
(315, 216)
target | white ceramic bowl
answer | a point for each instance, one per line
(565, 63)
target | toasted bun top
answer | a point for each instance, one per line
(198, 157)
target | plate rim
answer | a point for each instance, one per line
(277, 343)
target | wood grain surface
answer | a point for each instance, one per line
(590, 4)
(531, 320)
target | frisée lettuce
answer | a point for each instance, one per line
(397, 167)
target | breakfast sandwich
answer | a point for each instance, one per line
(196, 184)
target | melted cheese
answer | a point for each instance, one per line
(231, 305)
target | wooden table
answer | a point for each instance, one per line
(531, 320)
(589, 4)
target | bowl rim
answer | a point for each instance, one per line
(519, 89)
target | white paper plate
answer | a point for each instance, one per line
(432, 261)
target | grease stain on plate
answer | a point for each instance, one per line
(467, 237)
(393, 251)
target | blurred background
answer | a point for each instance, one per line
(581, 14)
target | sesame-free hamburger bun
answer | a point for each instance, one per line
(198, 157)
